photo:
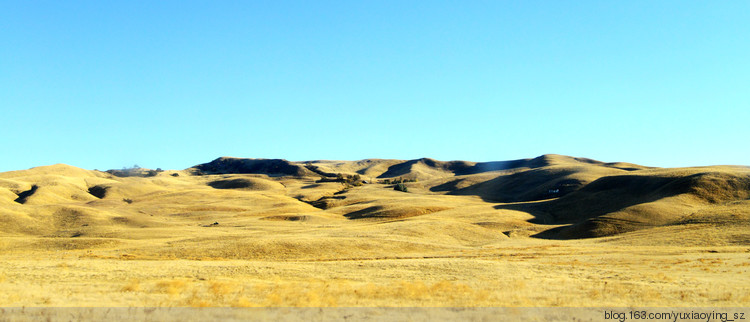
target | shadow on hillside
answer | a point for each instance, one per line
(368, 212)
(531, 185)
(582, 210)
(23, 196)
(460, 168)
(270, 167)
(231, 184)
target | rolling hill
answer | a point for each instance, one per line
(562, 197)
(546, 231)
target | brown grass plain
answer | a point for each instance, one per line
(549, 231)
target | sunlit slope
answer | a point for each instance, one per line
(616, 204)
(258, 208)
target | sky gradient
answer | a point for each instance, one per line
(171, 84)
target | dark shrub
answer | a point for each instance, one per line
(98, 191)
(400, 187)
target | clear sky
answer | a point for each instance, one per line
(171, 84)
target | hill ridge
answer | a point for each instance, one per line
(558, 196)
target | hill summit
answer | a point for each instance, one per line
(550, 196)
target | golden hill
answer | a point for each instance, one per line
(273, 210)
(563, 197)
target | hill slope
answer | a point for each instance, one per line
(552, 231)
(551, 196)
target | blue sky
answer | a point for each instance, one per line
(171, 84)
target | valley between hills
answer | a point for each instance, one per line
(547, 231)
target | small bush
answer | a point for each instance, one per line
(135, 171)
(400, 187)
(129, 201)
(347, 180)
(397, 180)
(98, 191)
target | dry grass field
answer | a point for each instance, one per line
(548, 231)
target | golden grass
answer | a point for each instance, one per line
(523, 276)
(132, 286)
(256, 241)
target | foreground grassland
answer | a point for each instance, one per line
(550, 231)
(541, 275)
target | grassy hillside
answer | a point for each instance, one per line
(466, 214)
